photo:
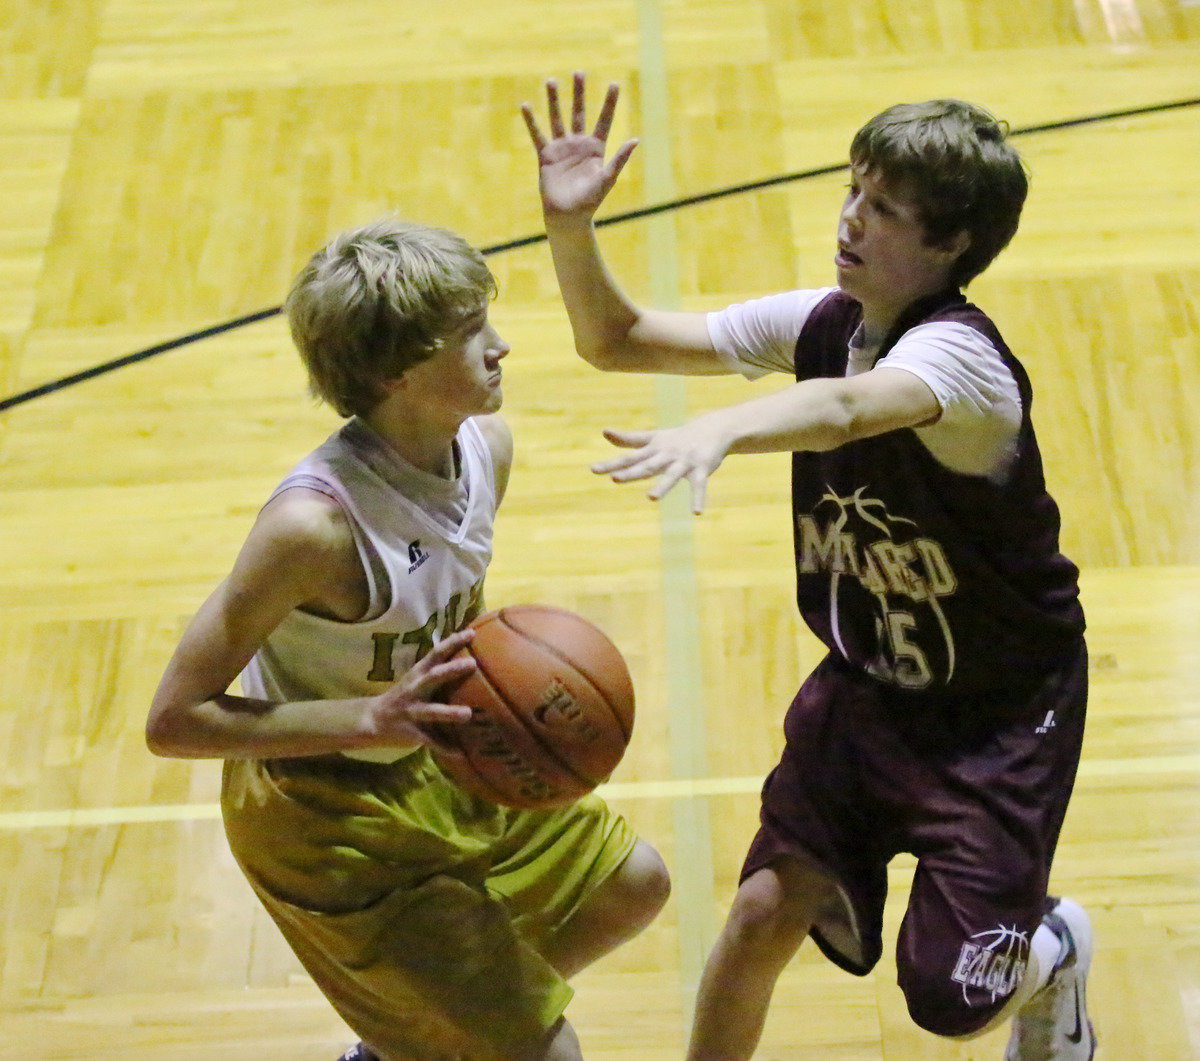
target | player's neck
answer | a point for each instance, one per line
(424, 445)
(876, 326)
(879, 316)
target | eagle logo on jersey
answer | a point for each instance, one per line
(866, 550)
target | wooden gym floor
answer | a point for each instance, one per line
(167, 165)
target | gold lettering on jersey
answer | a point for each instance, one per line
(868, 571)
(942, 581)
(381, 666)
(820, 552)
(916, 569)
(443, 622)
(855, 537)
(893, 560)
(423, 636)
(456, 615)
(474, 607)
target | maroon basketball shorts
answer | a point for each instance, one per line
(975, 788)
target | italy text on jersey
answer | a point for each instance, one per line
(415, 643)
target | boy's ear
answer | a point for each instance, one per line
(956, 245)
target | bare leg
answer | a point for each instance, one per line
(771, 914)
(613, 914)
(560, 1044)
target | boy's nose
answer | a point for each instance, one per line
(496, 346)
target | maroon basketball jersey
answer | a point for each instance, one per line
(928, 579)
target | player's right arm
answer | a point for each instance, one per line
(294, 556)
(611, 332)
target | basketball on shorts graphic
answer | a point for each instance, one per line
(552, 706)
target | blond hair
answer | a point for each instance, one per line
(377, 300)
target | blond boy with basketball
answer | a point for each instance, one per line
(438, 925)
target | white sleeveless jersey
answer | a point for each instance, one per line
(424, 569)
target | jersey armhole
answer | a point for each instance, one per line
(378, 585)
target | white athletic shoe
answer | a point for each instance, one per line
(1053, 1025)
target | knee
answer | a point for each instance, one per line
(939, 1005)
(641, 885)
(778, 903)
(560, 1044)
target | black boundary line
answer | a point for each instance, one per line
(529, 241)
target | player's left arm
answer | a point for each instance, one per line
(814, 414)
(498, 436)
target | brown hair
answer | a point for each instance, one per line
(954, 161)
(377, 300)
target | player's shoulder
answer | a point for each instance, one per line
(301, 546)
(301, 523)
(789, 309)
(967, 333)
(962, 317)
(495, 430)
(499, 440)
(498, 437)
(965, 342)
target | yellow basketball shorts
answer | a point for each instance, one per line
(417, 908)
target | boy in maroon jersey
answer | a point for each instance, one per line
(947, 718)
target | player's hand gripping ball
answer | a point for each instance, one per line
(552, 706)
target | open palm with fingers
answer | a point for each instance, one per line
(409, 712)
(690, 452)
(573, 175)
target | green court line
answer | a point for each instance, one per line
(691, 862)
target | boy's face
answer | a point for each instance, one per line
(882, 258)
(463, 377)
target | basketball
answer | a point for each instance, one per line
(552, 705)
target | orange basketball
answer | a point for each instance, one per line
(553, 708)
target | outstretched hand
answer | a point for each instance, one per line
(572, 173)
(690, 452)
(407, 713)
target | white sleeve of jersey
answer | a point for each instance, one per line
(759, 336)
(981, 404)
